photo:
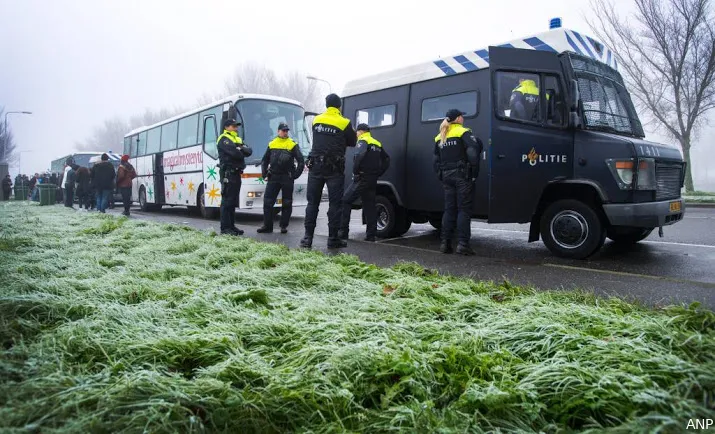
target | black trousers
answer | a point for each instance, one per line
(69, 196)
(317, 179)
(277, 184)
(364, 188)
(6, 194)
(126, 198)
(458, 196)
(229, 201)
(83, 196)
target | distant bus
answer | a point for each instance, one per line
(177, 159)
(80, 158)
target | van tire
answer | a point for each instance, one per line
(627, 235)
(436, 222)
(207, 213)
(572, 229)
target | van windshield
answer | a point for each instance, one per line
(607, 105)
(260, 120)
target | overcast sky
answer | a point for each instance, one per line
(74, 63)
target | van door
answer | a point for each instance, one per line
(531, 144)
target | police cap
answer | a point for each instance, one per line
(283, 127)
(363, 127)
(229, 122)
(453, 114)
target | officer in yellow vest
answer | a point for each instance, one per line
(332, 134)
(231, 154)
(524, 101)
(281, 165)
(456, 161)
(371, 161)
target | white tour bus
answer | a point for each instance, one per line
(177, 159)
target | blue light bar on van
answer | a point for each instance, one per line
(555, 23)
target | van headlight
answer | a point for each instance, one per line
(624, 171)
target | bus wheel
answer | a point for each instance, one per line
(143, 205)
(207, 213)
(627, 235)
(572, 229)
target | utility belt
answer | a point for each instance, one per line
(330, 163)
(460, 168)
(227, 173)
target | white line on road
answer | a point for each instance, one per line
(638, 275)
(707, 246)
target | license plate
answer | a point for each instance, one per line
(675, 206)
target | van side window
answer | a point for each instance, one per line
(518, 96)
(521, 96)
(382, 116)
(434, 109)
(555, 105)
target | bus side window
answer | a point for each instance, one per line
(210, 136)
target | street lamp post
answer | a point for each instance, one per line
(311, 77)
(6, 114)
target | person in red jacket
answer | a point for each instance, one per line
(125, 175)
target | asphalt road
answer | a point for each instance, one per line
(676, 269)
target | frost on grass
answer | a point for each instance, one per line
(115, 325)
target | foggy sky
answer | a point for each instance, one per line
(75, 63)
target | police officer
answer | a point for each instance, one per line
(281, 165)
(332, 133)
(231, 154)
(524, 100)
(370, 162)
(456, 161)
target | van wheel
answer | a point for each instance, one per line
(207, 213)
(571, 229)
(392, 220)
(627, 235)
(436, 222)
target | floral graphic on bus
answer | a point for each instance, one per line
(212, 173)
(191, 187)
(213, 193)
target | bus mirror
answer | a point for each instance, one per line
(575, 97)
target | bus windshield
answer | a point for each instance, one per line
(607, 105)
(260, 120)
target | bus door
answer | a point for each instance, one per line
(159, 180)
(531, 144)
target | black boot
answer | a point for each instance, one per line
(264, 230)
(334, 240)
(284, 230)
(336, 243)
(464, 249)
(307, 241)
(446, 247)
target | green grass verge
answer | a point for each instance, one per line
(700, 193)
(116, 325)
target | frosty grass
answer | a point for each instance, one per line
(116, 325)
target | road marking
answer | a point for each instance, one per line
(623, 273)
(672, 243)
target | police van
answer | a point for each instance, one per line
(575, 166)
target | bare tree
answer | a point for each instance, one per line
(667, 51)
(7, 141)
(254, 78)
(250, 78)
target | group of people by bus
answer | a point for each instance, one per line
(456, 163)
